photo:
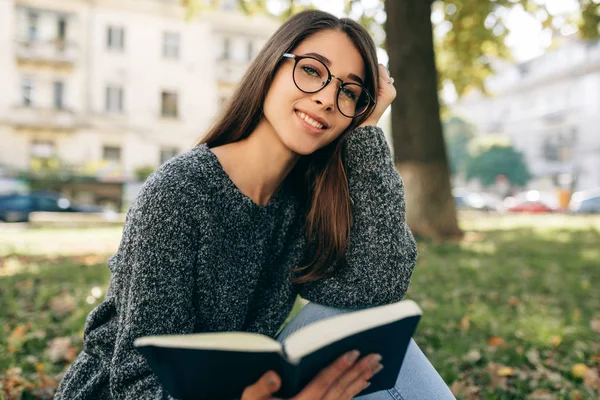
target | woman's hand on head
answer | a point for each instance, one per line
(386, 93)
(342, 380)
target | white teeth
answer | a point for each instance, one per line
(311, 121)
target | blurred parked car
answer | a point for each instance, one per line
(532, 201)
(476, 201)
(17, 207)
(586, 202)
(530, 207)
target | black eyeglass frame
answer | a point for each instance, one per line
(297, 58)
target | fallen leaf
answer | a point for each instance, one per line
(555, 340)
(472, 356)
(16, 336)
(533, 356)
(497, 380)
(462, 389)
(541, 394)
(495, 341)
(505, 371)
(464, 323)
(591, 378)
(595, 325)
(61, 349)
(513, 301)
(579, 370)
(62, 305)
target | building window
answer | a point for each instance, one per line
(59, 91)
(226, 55)
(169, 104)
(250, 50)
(43, 149)
(115, 39)
(167, 153)
(114, 99)
(111, 153)
(32, 26)
(27, 92)
(171, 45)
(61, 29)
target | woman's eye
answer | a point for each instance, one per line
(311, 71)
(348, 93)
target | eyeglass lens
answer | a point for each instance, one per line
(310, 75)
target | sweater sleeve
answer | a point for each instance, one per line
(155, 268)
(382, 251)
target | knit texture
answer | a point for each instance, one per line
(198, 255)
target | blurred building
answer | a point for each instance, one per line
(550, 108)
(98, 89)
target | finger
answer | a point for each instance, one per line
(353, 381)
(384, 72)
(360, 384)
(317, 388)
(268, 384)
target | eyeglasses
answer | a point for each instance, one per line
(311, 75)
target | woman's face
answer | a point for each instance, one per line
(292, 113)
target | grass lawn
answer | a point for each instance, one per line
(511, 312)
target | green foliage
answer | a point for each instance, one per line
(471, 32)
(589, 24)
(493, 158)
(457, 134)
(142, 173)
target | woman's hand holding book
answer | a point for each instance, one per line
(342, 380)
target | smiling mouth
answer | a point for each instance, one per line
(310, 121)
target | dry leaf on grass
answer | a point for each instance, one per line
(472, 356)
(591, 378)
(62, 305)
(464, 323)
(465, 390)
(495, 341)
(16, 337)
(541, 394)
(61, 349)
(595, 325)
(505, 371)
(579, 370)
(497, 380)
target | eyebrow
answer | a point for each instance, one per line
(327, 62)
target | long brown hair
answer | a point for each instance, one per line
(321, 176)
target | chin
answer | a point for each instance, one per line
(301, 147)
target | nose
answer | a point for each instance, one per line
(326, 96)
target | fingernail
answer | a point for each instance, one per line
(352, 356)
(374, 361)
(377, 369)
(271, 381)
(367, 385)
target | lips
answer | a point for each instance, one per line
(312, 119)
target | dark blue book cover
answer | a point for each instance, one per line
(222, 365)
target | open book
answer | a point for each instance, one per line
(221, 365)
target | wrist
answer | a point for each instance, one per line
(368, 122)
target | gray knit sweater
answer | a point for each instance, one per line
(197, 255)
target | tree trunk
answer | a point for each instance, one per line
(419, 149)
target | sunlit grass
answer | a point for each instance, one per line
(516, 289)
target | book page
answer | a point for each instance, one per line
(330, 330)
(231, 341)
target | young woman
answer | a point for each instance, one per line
(293, 191)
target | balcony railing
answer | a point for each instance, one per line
(44, 118)
(53, 51)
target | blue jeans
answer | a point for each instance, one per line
(418, 380)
